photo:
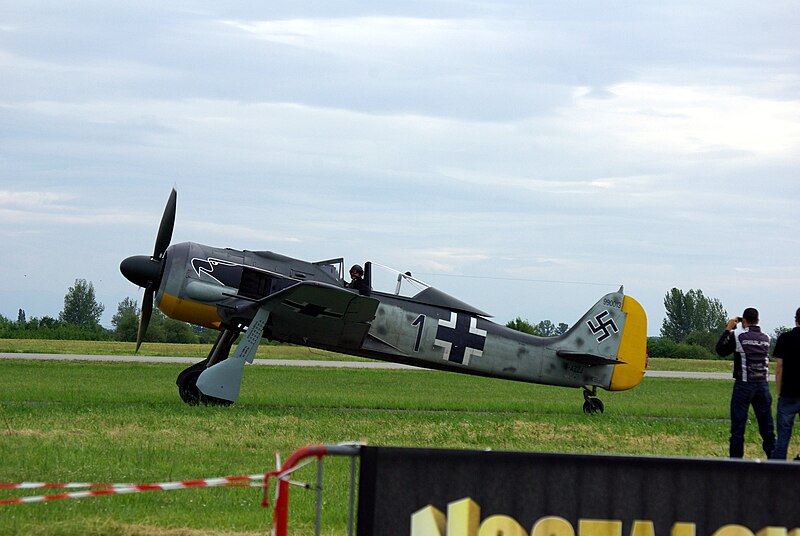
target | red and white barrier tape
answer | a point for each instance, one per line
(118, 489)
(110, 488)
(60, 485)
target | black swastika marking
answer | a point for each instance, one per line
(603, 327)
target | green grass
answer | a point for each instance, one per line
(124, 423)
(265, 351)
(690, 365)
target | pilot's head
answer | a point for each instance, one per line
(356, 272)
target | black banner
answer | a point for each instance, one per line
(650, 496)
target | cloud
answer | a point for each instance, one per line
(689, 120)
(447, 260)
(39, 218)
(233, 231)
(620, 187)
(31, 211)
(35, 200)
(379, 39)
(547, 141)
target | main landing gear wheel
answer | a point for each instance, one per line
(591, 404)
(187, 379)
(189, 392)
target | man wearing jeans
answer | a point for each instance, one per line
(787, 385)
(750, 348)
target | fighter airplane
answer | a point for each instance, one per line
(265, 294)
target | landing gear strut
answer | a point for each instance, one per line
(591, 404)
(187, 379)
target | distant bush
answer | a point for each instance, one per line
(50, 328)
(162, 329)
(664, 347)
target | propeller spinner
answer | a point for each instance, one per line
(146, 271)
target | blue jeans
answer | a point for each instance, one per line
(788, 407)
(744, 394)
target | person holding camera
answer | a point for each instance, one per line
(750, 349)
(787, 385)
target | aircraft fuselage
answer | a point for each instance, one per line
(213, 287)
(266, 294)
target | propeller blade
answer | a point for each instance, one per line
(167, 224)
(144, 319)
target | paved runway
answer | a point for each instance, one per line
(309, 363)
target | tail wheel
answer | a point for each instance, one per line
(593, 405)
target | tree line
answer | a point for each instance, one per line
(690, 330)
(80, 320)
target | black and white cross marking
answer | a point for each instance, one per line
(460, 338)
(604, 326)
(312, 309)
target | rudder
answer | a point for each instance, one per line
(632, 347)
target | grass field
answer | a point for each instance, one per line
(265, 351)
(124, 422)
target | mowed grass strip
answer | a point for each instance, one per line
(200, 351)
(124, 422)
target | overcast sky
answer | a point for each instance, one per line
(526, 157)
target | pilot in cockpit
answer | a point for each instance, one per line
(357, 280)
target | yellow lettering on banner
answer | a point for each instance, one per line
(683, 529)
(428, 521)
(772, 531)
(501, 526)
(599, 527)
(552, 526)
(733, 530)
(463, 518)
(642, 528)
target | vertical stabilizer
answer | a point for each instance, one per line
(612, 333)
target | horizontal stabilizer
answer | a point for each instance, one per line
(587, 359)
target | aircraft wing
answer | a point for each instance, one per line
(313, 313)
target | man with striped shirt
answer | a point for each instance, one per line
(750, 349)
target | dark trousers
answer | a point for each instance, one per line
(788, 407)
(744, 395)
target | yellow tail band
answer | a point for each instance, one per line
(632, 348)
